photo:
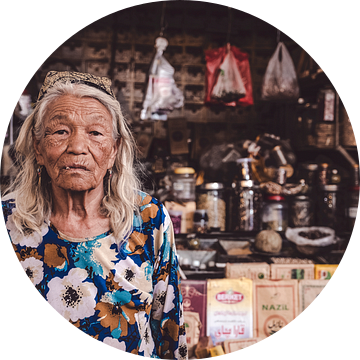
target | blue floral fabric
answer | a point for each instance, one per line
(127, 296)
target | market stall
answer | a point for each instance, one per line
(244, 139)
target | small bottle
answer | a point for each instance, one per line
(355, 175)
(323, 178)
(335, 177)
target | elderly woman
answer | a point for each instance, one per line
(100, 251)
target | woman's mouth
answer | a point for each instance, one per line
(75, 167)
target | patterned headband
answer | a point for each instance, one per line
(52, 77)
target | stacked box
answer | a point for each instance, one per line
(324, 271)
(292, 271)
(235, 345)
(253, 271)
(308, 291)
(275, 305)
(229, 309)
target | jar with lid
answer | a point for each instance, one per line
(248, 199)
(330, 210)
(183, 184)
(301, 211)
(275, 213)
(352, 207)
(211, 197)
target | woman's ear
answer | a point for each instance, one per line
(114, 152)
(37, 149)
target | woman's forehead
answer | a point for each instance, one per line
(71, 107)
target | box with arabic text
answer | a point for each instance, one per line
(229, 309)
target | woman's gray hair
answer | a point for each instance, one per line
(34, 202)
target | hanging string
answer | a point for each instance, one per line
(229, 25)
(162, 21)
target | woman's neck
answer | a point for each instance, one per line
(77, 214)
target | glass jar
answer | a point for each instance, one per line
(183, 184)
(351, 207)
(200, 221)
(249, 203)
(275, 213)
(330, 210)
(210, 197)
(301, 211)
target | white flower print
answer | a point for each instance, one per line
(31, 240)
(115, 343)
(34, 269)
(130, 276)
(163, 299)
(73, 298)
(147, 344)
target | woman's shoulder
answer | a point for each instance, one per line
(8, 197)
(151, 209)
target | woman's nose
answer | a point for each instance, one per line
(77, 143)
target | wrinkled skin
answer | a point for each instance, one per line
(77, 148)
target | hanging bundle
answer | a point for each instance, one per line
(228, 77)
(229, 86)
(162, 94)
(280, 81)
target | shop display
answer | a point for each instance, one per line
(275, 305)
(229, 309)
(280, 80)
(308, 291)
(192, 325)
(187, 213)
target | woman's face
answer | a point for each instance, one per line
(77, 147)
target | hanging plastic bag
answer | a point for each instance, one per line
(229, 86)
(228, 77)
(280, 81)
(162, 95)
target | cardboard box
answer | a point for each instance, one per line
(187, 217)
(253, 271)
(308, 291)
(194, 294)
(276, 303)
(324, 271)
(192, 328)
(292, 271)
(229, 309)
(235, 345)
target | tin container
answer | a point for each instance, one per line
(275, 213)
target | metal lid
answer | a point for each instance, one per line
(213, 186)
(184, 170)
(241, 160)
(330, 187)
(275, 197)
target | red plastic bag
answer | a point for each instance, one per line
(214, 61)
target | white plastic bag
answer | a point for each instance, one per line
(162, 95)
(293, 234)
(280, 81)
(229, 85)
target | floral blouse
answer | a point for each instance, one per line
(126, 296)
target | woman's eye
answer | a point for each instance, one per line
(60, 132)
(95, 133)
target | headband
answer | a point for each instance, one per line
(53, 77)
